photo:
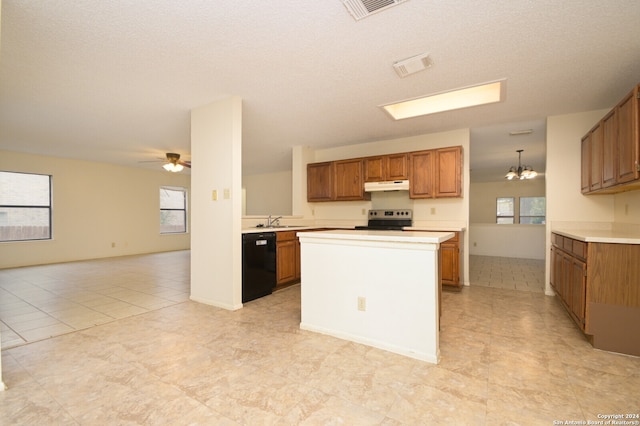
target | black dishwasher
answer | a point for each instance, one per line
(258, 265)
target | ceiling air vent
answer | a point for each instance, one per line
(412, 65)
(362, 8)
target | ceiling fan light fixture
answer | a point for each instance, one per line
(171, 167)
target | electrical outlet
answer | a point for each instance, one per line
(363, 211)
(362, 304)
(475, 244)
(433, 210)
(113, 245)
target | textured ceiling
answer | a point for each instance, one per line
(115, 81)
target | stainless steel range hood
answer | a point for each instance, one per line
(393, 185)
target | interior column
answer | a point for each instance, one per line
(216, 203)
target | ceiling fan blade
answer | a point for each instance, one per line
(185, 163)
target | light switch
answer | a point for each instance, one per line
(214, 195)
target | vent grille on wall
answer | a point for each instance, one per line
(412, 65)
(362, 8)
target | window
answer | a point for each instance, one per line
(25, 206)
(173, 210)
(532, 210)
(505, 209)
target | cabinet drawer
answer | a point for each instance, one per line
(285, 235)
(567, 244)
(579, 248)
(558, 240)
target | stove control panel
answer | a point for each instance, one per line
(390, 214)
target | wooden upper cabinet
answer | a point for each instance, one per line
(609, 148)
(386, 167)
(436, 173)
(585, 164)
(320, 183)
(421, 174)
(396, 167)
(349, 180)
(595, 177)
(628, 138)
(448, 172)
(374, 169)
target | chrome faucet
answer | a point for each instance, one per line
(273, 222)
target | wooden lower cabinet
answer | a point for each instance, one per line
(599, 286)
(450, 263)
(287, 258)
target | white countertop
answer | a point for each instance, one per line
(600, 235)
(368, 235)
(277, 229)
(297, 228)
(434, 228)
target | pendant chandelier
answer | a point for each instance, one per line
(521, 172)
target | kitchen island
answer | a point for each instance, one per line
(379, 288)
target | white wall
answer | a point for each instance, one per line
(268, 193)
(521, 241)
(94, 206)
(627, 208)
(486, 238)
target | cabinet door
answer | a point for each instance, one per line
(349, 180)
(374, 169)
(628, 117)
(609, 148)
(585, 164)
(421, 174)
(595, 180)
(396, 167)
(566, 279)
(320, 184)
(448, 172)
(286, 261)
(556, 271)
(578, 285)
(449, 264)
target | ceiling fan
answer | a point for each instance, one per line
(172, 162)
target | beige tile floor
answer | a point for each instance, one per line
(506, 272)
(507, 357)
